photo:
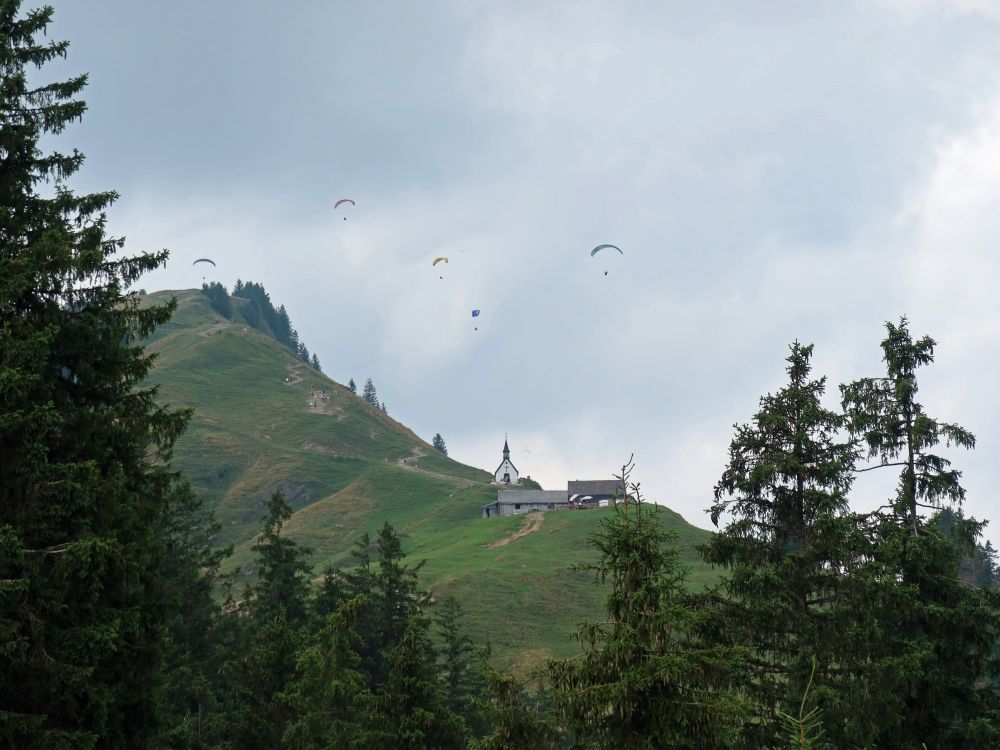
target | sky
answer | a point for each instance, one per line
(772, 171)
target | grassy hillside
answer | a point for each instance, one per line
(346, 467)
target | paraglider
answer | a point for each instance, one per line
(597, 249)
(203, 260)
(344, 200)
(438, 260)
(475, 313)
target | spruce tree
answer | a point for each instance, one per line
(218, 297)
(282, 572)
(462, 681)
(314, 363)
(191, 698)
(515, 722)
(884, 413)
(352, 386)
(369, 394)
(987, 573)
(397, 599)
(644, 679)
(333, 708)
(940, 635)
(340, 585)
(784, 552)
(412, 707)
(269, 627)
(84, 449)
(391, 594)
(438, 443)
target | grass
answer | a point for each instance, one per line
(340, 467)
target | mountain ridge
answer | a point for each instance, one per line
(264, 420)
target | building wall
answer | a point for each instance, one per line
(513, 509)
(506, 468)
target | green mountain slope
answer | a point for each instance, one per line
(261, 422)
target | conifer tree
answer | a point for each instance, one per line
(282, 573)
(352, 386)
(382, 407)
(397, 599)
(369, 394)
(357, 582)
(84, 449)
(412, 707)
(643, 678)
(218, 297)
(191, 700)
(262, 661)
(790, 538)
(334, 709)
(461, 679)
(884, 413)
(938, 635)
(438, 443)
(516, 724)
(391, 594)
(987, 573)
(314, 363)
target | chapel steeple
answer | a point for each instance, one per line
(506, 472)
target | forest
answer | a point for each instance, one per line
(829, 627)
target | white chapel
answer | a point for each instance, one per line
(506, 473)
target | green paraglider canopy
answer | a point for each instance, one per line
(601, 247)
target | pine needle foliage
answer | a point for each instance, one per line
(516, 724)
(643, 679)
(930, 638)
(334, 710)
(268, 630)
(411, 703)
(805, 730)
(84, 449)
(439, 444)
(785, 550)
(884, 413)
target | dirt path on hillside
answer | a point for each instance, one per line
(215, 327)
(321, 402)
(532, 522)
(413, 460)
(293, 375)
(412, 463)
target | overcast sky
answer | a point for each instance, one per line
(771, 171)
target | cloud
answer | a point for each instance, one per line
(918, 9)
(772, 173)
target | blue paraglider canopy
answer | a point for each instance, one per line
(475, 313)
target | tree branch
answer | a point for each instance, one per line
(880, 466)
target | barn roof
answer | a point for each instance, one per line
(595, 487)
(531, 496)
